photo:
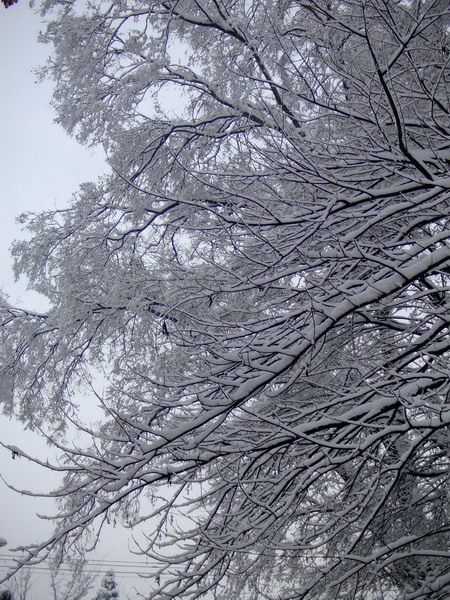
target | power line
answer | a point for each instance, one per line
(100, 562)
(119, 574)
(128, 570)
(35, 569)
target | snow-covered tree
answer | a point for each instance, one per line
(70, 580)
(20, 585)
(263, 280)
(108, 589)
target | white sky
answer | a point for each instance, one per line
(40, 168)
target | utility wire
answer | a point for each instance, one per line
(123, 563)
(120, 575)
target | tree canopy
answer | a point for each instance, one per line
(262, 280)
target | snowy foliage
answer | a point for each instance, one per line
(70, 580)
(264, 283)
(108, 589)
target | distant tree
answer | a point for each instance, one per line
(20, 584)
(70, 580)
(108, 589)
(263, 279)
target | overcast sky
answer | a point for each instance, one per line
(40, 168)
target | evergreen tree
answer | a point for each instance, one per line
(108, 589)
